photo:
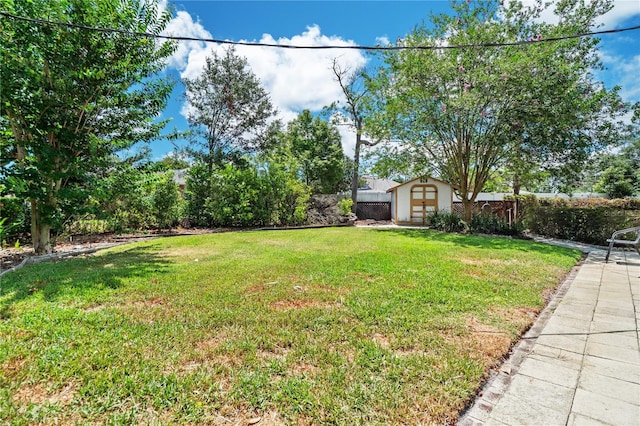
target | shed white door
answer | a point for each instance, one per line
(424, 201)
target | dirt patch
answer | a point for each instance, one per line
(13, 366)
(304, 369)
(490, 342)
(271, 418)
(39, 394)
(521, 317)
(151, 302)
(485, 261)
(94, 308)
(276, 354)
(476, 262)
(210, 344)
(260, 288)
(366, 277)
(381, 340)
(283, 305)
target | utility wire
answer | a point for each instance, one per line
(291, 46)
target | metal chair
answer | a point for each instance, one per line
(627, 243)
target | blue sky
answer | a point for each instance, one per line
(298, 79)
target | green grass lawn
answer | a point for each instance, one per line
(339, 325)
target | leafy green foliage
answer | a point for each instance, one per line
(620, 173)
(317, 147)
(264, 193)
(447, 222)
(344, 206)
(130, 198)
(166, 201)
(470, 112)
(588, 221)
(228, 109)
(490, 224)
(330, 326)
(72, 98)
(15, 214)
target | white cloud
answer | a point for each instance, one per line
(296, 79)
(623, 70)
(622, 9)
(183, 25)
(383, 41)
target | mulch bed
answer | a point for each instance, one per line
(11, 257)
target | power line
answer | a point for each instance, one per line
(291, 46)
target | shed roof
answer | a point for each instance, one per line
(429, 178)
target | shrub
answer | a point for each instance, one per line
(16, 215)
(257, 195)
(591, 225)
(448, 222)
(489, 224)
(166, 202)
(344, 206)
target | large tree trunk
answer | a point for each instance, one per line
(516, 192)
(40, 232)
(467, 206)
(355, 177)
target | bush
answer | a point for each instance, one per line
(17, 221)
(166, 202)
(258, 195)
(344, 206)
(591, 225)
(448, 222)
(489, 224)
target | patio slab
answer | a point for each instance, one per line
(581, 366)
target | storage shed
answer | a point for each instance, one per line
(413, 201)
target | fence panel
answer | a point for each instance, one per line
(374, 210)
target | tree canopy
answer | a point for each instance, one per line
(317, 146)
(470, 111)
(228, 108)
(72, 98)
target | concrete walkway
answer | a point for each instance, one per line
(580, 362)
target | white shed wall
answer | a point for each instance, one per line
(401, 200)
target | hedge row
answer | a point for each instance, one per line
(589, 221)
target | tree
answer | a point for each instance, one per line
(228, 108)
(472, 110)
(620, 173)
(563, 114)
(71, 98)
(352, 83)
(317, 146)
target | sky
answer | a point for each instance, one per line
(302, 79)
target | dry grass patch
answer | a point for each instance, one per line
(302, 368)
(488, 341)
(283, 305)
(381, 340)
(39, 394)
(521, 317)
(12, 367)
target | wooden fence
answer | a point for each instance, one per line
(504, 209)
(374, 210)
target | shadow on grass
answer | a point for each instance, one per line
(475, 241)
(79, 276)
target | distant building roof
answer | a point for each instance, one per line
(377, 184)
(180, 177)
